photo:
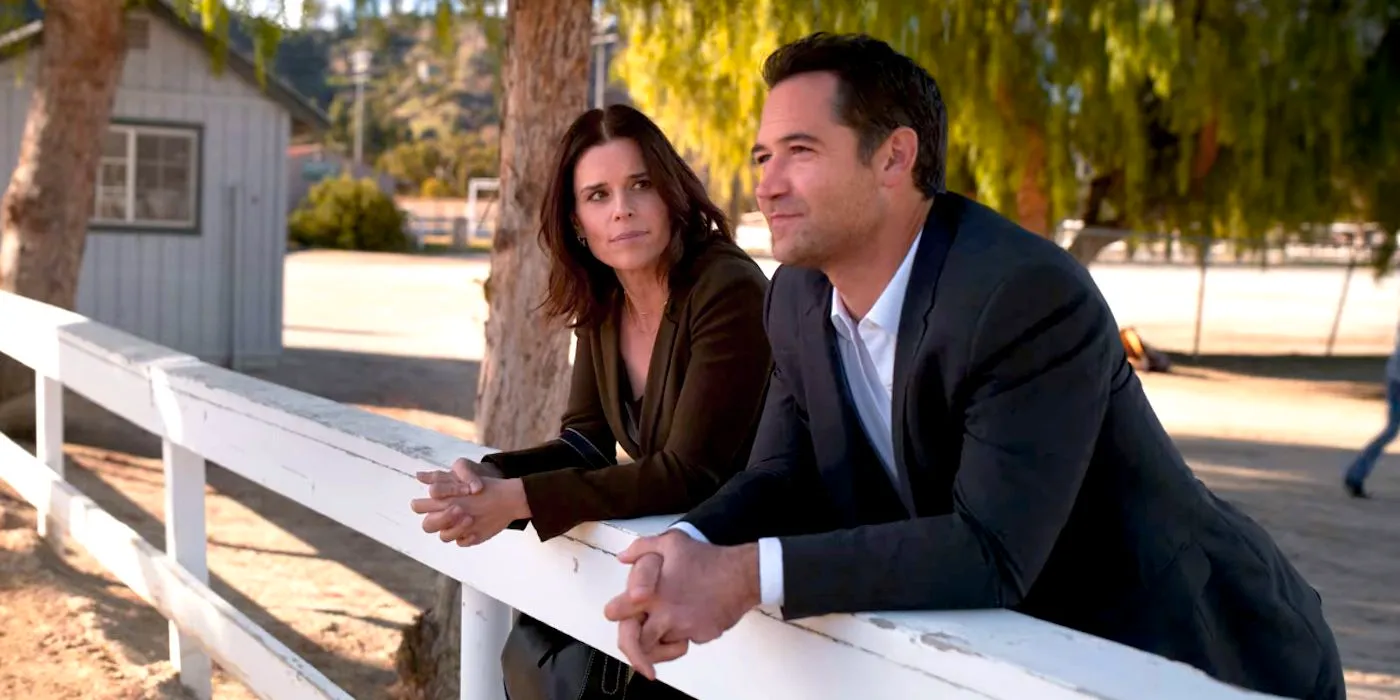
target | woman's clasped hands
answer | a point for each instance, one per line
(469, 504)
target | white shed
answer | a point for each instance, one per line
(189, 226)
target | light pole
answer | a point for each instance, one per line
(359, 68)
(601, 42)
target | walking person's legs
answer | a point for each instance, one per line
(1366, 461)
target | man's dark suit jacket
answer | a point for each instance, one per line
(696, 422)
(1034, 474)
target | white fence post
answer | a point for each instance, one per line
(485, 624)
(185, 543)
(48, 438)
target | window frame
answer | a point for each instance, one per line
(136, 127)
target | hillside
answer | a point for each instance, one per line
(431, 103)
(416, 91)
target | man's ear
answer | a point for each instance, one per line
(895, 159)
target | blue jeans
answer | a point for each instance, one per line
(1366, 461)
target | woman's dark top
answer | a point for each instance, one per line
(695, 423)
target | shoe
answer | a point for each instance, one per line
(1355, 489)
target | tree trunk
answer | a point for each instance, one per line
(736, 201)
(524, 378)
(44, 215)
(1207, 150)
(1085, 248)
(1096, 233)
(1089, 242)
(1032, 200)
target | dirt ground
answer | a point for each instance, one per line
(1271, 435)
(58, 639)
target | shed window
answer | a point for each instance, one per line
(147, 177)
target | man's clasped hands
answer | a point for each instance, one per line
(679, 591)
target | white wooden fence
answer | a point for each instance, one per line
(357, 468)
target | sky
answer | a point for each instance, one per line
(270, 8)
(291, 9)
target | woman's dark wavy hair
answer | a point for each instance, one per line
(581, 288)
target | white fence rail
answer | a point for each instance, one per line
(357, 468)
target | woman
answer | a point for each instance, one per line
(671, 363)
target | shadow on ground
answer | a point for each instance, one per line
(345, 672)
(392, 571)
(429, 385)
(1345, 547)
(1367, 371)
(327, 538)
(437, 385)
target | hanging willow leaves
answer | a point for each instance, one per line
(1209, 116)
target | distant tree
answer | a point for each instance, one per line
(458, 91)
(478, 154)
(433, 187)
(382, 131)
(451, 162)
(412, 164)
(1374, 164)
(1234, 120)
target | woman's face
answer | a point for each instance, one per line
(623, 217)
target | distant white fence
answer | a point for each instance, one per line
(459, 223)
(357, 468)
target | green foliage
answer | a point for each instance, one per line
(459, 42)
(1238, 119)
(433, 187)
(382, 131)
(449, 162)
(302, 58)
(349, 214)
(414, 92)
(220, 22)
(374, 21)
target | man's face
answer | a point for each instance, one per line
(818, 198)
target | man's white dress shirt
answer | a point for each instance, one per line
(867, 354)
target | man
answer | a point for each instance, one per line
(951, 422)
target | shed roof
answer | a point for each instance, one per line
(302, 108)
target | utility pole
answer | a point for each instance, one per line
(600, 43)
(359, 67)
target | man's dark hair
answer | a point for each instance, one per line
(878, 91)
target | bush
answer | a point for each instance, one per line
(350, 215)
(433, 187)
